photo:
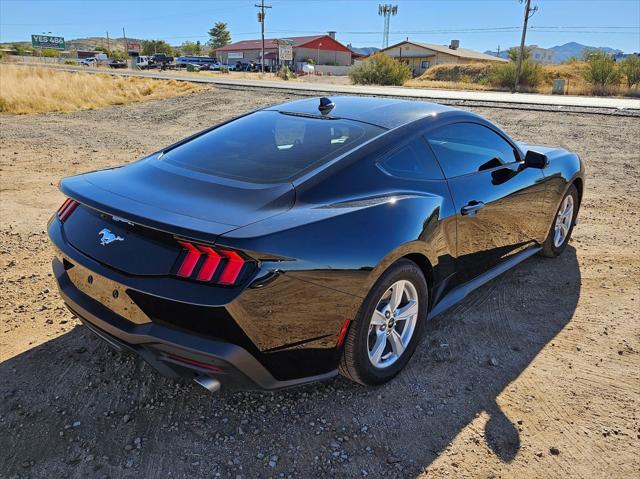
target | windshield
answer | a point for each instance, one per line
(270, 147)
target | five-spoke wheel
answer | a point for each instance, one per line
(392, 324)
(387, 329)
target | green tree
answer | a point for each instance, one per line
(630, 68)
(219, 36)
(380, 69)
(512, 53)
(602, 70)
(191, 48)
(149, 47)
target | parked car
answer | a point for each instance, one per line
(89, 62)
(116, 63)
(323, 248)
(188, 66)
(158, 59)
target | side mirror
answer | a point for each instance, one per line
(535, 159)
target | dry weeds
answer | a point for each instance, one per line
(39, 90)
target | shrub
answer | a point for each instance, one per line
(630, 69)
(284, 73)
(49, 52)
(224, 69)
(503, 75)
(602, 70)
(380, 69)
(70, 62)
(465, 73)
(191, 68)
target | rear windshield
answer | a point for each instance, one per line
(270, 147)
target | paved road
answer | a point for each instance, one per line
(423, 93)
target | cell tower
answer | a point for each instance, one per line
(386, 11)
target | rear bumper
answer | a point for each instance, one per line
(171, 352)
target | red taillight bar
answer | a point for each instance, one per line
(210, 264)
(66, 209)
(190, 261)
(232, 270)
(228, 263)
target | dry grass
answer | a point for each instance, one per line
(446, 85)
(40, 90)
(474, 76)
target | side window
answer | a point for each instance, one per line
(464, 148)
(414, 161)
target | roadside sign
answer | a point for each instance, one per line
(285, 52)
(134, 47)
(47, 41)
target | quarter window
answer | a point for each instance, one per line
(413, 161)
(464, 148)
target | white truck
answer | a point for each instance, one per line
(142, 62)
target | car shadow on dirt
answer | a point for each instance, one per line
(73, 407)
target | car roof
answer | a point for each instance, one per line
(384, 112)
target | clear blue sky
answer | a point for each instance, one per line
(478, 24)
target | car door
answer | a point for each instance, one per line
(498, 201)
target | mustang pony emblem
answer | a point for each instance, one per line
(108, 237)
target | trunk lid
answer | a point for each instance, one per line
(148, 203)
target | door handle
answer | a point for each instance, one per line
(472, 208)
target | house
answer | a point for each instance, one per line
(421, 56)
(323, 49)
(541, 55)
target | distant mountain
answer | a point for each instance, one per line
(573, 49)
(566, 51)
(93, 42)
(365, 50)
(503, 53)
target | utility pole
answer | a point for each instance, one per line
(124, 38)
(528, 13)
(108, 43)
(498, 51)
(386, 11)
(261, 14)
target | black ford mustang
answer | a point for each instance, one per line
(305, 239)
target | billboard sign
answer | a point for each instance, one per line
(285, 52)
(47, 41)
(235, 55)
(134, 47)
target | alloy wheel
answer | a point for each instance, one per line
(392, 324)
(563, 221)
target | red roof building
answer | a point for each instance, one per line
(322, 49)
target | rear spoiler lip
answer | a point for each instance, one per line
(92, 196)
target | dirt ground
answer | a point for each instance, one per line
(537, 374)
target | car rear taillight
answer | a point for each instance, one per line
(211, 265)
(66, 209)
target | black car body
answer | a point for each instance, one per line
(117, 64)
(251, 272)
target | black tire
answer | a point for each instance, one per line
(549, 249)
(355, 363)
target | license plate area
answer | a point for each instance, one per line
(110, 294)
